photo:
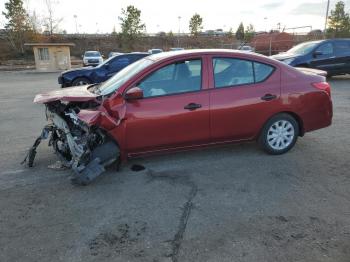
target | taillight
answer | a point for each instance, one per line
(323, 86)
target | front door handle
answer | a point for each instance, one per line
(268, 97)
(192, 106)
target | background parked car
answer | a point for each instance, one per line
(177, 48)
(92, 58)
(155, 51)
(246, 48)
(90, 75)
(332, 56)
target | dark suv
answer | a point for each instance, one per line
(331, 55)
(100, 73)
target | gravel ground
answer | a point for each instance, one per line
(231, 203)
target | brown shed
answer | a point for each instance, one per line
(51, 56)
(272, 43)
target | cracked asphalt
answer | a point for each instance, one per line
(231, 203)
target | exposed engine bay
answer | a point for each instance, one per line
(85, 149)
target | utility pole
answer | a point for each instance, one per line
(325, 23)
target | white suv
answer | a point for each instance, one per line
(93, 58)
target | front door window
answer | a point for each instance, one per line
(179, 77)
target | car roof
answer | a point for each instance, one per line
(327, 40)
(137, 53)
(166, 55)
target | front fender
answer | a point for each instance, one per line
(98, 118)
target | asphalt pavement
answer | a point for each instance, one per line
(232, 203)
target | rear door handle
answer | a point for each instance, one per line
(268, 97)
(192, 106)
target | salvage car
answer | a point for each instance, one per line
(330, 55)
(100, 73)
(175, 101)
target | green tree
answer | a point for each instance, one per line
(339, 21)
(230, 33)
(196, 24)
(18, 24)
(249, 33)
(240, 32)
(131, 23)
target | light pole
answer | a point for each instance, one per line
(179, 17)
(178, 34)
(76, 23)
(325, 23)
(265, 20)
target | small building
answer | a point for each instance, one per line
(51, 56)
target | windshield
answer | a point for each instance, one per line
(123, 75)
(302, 49)
(106, 61)
(90, 54)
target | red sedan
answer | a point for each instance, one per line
(182, 100)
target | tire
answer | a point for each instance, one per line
(279, 134)
(81, 81)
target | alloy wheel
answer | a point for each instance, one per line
(280, 135)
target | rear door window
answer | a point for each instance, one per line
(233, 72)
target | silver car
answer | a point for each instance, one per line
(92, 58)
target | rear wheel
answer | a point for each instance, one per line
(80, 81)
(279, 134)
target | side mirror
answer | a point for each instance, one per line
(317, 53)
(134, 93)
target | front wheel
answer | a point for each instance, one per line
(279, 134)
(80, 81)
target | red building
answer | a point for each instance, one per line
(272, 43)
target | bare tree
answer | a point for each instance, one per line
(51, 22)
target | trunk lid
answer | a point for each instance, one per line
(311, 71)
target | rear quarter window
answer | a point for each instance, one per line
(262, 71)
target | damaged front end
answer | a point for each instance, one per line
(87, 149)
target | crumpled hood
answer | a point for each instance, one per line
(283, 56)
(77, 93)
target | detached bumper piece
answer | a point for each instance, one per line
(101, 157)
(30, 156)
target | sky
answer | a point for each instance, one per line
(102, 16)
